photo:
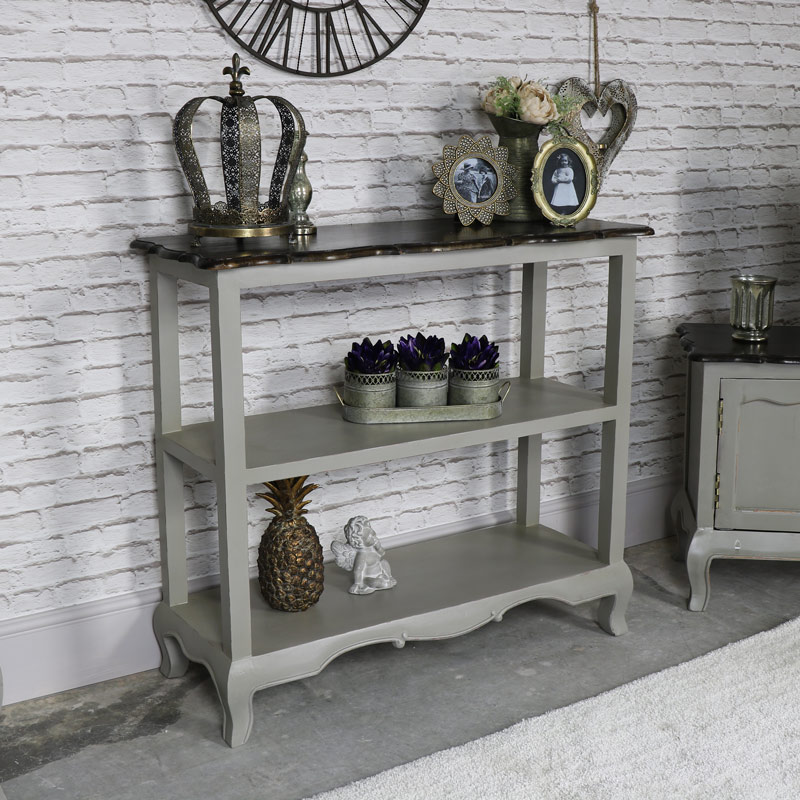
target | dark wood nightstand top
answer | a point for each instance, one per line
(707, 342)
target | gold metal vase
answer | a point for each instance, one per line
(522, 141)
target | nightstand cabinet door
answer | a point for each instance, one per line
(758, 459)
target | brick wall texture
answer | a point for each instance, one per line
(86, 164)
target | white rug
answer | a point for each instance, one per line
(724, 726)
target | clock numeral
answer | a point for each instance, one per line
(415, 5)
(272, 7)
(330, 33)
(274, 28)
(318, 37)
(241, 11)
(288, 35)
(364, 17)
(302, 38)
(366, 20)
(350, 34)
(219, 6)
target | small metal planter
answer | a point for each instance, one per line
(379, 416)
(370, 391)
(470, 386)
(421, 389)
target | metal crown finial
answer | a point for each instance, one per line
(235, 72)
(243, 212)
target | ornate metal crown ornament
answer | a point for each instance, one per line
(242, 215)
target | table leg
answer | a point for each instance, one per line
(532, 335)
(617, 390)
(698, 564)
(229, 456)
(611, 611)
(174, 662)
(236, 697)
(614, 455)
(169, 470)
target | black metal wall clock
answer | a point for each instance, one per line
(319, 38)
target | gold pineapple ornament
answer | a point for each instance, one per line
(290, 570)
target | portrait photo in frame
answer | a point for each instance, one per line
(564, 181)
(474, 180)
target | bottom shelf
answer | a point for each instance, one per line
(445, 587)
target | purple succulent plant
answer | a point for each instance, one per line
(421, 353)
(371, 359)
(473, 353)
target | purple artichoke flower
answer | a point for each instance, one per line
(421, 353)
(371, 359)
(473, 353)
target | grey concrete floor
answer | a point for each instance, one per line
(147, 737)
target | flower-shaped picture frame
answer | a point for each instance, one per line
(475, 180)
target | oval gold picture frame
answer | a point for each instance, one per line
(541, 169)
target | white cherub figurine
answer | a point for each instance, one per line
(362, 553)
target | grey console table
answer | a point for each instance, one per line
(447, 586)
(741, 493)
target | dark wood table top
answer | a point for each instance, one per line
(336, 242)
(707, 342)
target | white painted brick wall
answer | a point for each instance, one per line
(86, 164)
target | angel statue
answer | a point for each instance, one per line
(362, 553)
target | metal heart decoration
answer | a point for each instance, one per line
(616, 97)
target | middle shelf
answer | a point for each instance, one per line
(315, 439)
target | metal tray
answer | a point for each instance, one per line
(373, 416)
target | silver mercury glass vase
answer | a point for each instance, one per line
(751, 307)
(299, 200)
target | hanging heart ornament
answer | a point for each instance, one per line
(616, 97)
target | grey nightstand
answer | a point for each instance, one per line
(741, 483)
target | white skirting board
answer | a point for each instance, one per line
(58, 650)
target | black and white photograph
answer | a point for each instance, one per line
(475, 180)
(564, 179)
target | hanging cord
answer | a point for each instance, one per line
(594, 10)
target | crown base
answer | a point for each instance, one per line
(240, 231)
(303, 229)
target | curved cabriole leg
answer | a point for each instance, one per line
(611, 611)
(237, 709)
(697, 567)
(677, 518)
(173, 660)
